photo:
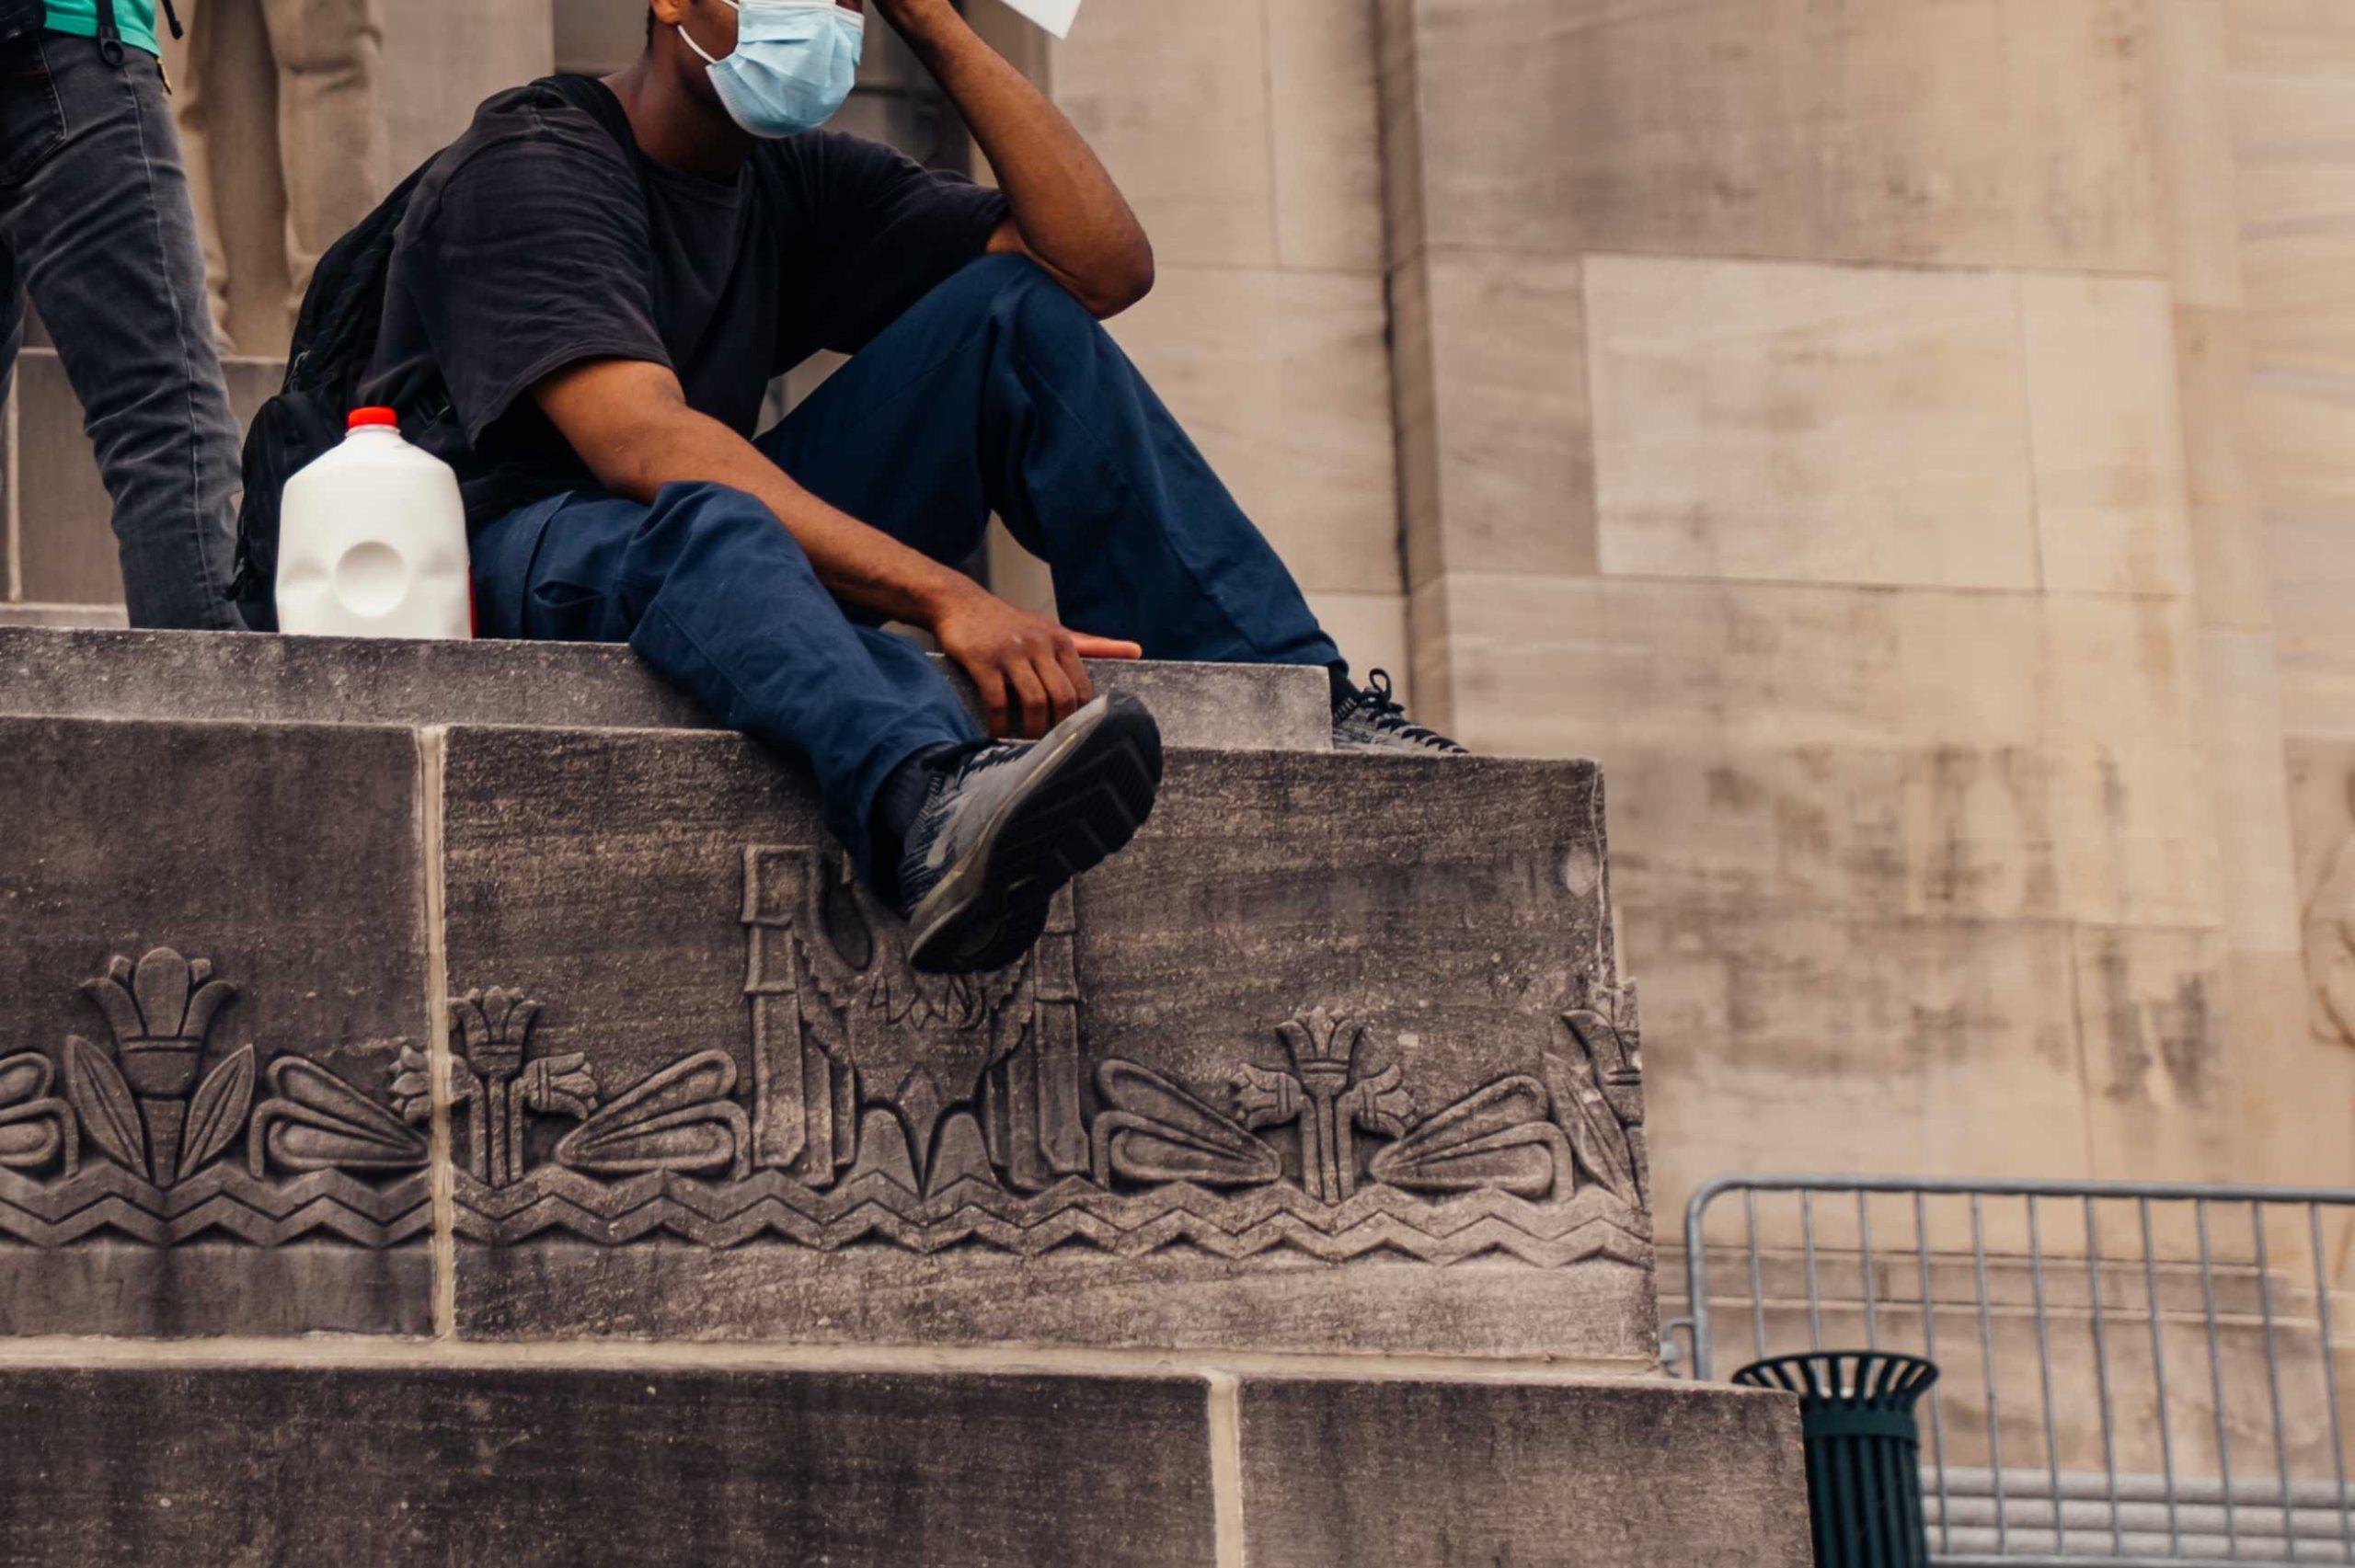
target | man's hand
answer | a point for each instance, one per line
(1065, 212)
(1026, 667)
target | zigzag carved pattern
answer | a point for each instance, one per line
(1127, 1225)
(224, 1200)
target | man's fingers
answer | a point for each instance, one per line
(1082, 690)
(1032, 697)
(1063, 697)
(992, 687)
(1105, 647)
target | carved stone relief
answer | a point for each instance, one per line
(882, 1106)
(923, 1113)
(141, 1137)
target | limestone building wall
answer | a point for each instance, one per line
(1832, 417)
(2289, 73)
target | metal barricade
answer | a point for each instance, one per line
(2134, 1373)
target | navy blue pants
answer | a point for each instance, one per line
(996, 392)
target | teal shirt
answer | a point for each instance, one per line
(135, 20)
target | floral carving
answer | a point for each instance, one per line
(679, 1120)
(1326, 1096)
(681, 1117)
(136, 1103)
(34, 1128)
(492, 1033)
(1497, 1137)
(1500, 1137)
(1595, 1074)
(1158, 1131)
(316, 1121)
(1321, 1150)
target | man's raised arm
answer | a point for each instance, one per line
(1068, 216)
(629, 421)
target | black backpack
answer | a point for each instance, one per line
(335, 339)
(334, 343)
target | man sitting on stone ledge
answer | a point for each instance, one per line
(595, 286)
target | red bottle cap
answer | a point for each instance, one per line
(362, 418)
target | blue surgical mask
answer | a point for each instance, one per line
(794, 63)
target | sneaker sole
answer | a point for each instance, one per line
(1078, 808)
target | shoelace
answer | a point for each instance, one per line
(1385, 711)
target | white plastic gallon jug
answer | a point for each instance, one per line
(372, 540)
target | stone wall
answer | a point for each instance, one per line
(2289, 77)
(1830, 417)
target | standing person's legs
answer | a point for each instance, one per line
(326, 52)
(194, 98)
(998, 392)
(710, 588)
(105, 237)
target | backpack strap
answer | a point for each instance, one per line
(596, 100)
(109, 35)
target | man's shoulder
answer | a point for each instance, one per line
(549, 128)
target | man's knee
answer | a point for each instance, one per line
(1026, 303)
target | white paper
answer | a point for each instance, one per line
(1055, 16)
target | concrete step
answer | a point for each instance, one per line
(1334, 1059)
(205, 675)
(448, 1459)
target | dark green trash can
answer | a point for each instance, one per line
(1864, 1451)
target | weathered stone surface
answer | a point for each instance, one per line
(1325, 1011)
(1454, 1473)
(2003, 133)
(1775, 422)
(380, 681)
(384, 1467)
(214, 962)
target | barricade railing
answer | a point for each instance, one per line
(2134, 1373)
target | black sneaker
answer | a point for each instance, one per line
(1002, 829)
(1372, 720)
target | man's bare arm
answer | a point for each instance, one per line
(1068, 216)
(629, 421)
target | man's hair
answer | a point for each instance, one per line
(649, 25)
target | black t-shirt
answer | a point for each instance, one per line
(544, 236)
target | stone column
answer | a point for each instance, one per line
(1825, 416)
(437, 60)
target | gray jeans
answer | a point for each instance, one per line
(97, 227)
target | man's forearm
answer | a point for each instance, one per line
(1070, 215)
(856, 563)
